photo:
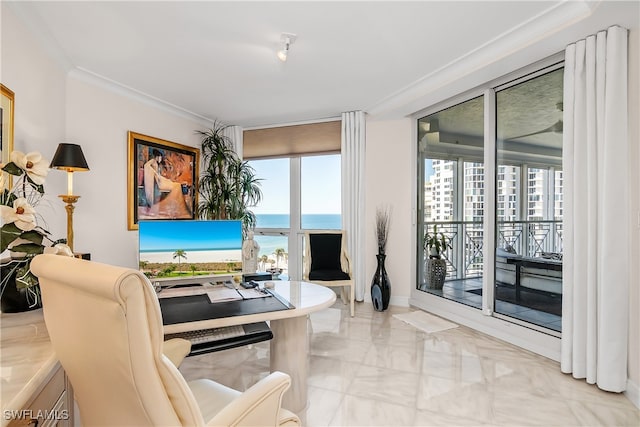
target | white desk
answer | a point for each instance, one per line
(290, 343)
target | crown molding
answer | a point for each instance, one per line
(23, 10)
(438, 85)
(302, 122)
(113, 86)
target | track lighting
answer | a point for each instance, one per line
(287, 40)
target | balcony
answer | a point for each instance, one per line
(529, 283)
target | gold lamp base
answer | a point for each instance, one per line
(69, 200)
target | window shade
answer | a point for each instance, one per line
(286, 141)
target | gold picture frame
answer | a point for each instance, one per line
(162, 180)
(6, 134)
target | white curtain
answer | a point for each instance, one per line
(352, 154)
(596, 185)
(234, 133)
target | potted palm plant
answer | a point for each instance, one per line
(436, 268)
(228, 186)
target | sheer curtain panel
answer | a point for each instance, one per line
(595, 295)
(352, 149)
(234, 133)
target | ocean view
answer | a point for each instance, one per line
(268, 244)
(309, 221)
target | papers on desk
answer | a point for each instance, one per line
(184, 291)
(215, 293)
(222, 293)
(253, 293)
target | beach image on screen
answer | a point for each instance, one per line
(190, 248)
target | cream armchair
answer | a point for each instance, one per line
(106, 329)
(176, 350)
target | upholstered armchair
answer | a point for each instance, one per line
(106, 329)
(327, 263)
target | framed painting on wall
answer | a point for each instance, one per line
(161, 180)
(6, 134)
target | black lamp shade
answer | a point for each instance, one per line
(69, 157)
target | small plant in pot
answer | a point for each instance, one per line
(435, 243)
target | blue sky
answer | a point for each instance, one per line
(428, 170)
(189, 235)
(320, 185)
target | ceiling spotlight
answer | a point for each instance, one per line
(287, 40)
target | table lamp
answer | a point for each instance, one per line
(69, 158)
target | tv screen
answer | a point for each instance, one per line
(189, 248)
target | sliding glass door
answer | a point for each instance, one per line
(451, 207)
(454, 201)
(528, 267)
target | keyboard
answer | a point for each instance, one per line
(216, 339)
(216, 334)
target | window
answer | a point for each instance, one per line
(273, 211)
(289, 159)
(526, 200)
(451, 160)
(273, 215)
(298, 193)
(525, 113)
(320, 192)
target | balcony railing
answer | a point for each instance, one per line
(464, 255)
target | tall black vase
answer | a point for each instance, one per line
(12, 299)
(380, 286)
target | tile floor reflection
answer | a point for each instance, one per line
(374, 370)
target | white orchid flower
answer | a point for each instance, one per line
(21, 213)
(59, 249)
(33, 164)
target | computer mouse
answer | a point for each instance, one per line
(269, 285)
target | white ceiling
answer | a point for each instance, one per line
(218, 59)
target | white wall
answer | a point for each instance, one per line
(53, 106)
(98, 120)
(39, 86)
(389, 182)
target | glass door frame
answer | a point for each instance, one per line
(524, 200)
(484, 320)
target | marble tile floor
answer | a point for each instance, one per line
(374, 370)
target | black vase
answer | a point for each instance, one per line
(380, 286)
(12, 299)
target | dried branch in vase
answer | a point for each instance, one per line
(383, 217)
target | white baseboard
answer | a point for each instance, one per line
(399, 301)
(633, 393)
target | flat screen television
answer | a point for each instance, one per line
(183, 248)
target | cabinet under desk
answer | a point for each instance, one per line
(34, 385)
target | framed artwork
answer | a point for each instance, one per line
(6, 134)
(162, 179)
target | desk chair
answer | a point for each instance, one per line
(327, 263)
(106, 329)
